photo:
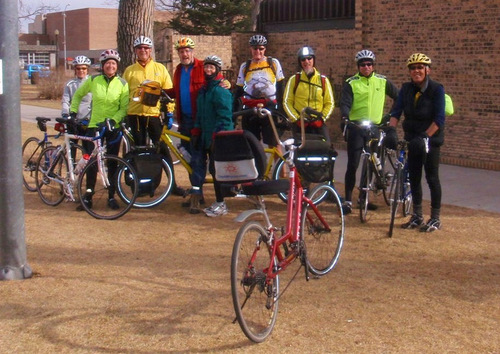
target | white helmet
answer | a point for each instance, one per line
(214, 60)
(81, 60)
(364, 55)
(109, 54)
(257, 39)
(143, 40)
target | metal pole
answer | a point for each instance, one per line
(64, 32)
(13, 262)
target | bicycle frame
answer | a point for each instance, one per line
(295, 206)
(65, 148)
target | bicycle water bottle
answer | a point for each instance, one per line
(377, 162)
(185, 153)
(81, 164)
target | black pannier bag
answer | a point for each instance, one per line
(148, 165)
(239, 157)
(315, 161)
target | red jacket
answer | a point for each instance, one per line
(197, 82)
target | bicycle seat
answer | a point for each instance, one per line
(265, 187)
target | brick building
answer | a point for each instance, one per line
(461, 36)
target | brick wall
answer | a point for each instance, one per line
(461, 36)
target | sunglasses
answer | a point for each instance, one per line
(81, 69)
(143, 47)
(362, 65)
(306, 58)
(259, 48)
(416, 67)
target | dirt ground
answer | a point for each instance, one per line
(157, 281)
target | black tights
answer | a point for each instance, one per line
(416, 164)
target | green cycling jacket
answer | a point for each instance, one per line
(109, 98)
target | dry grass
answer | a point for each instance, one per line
(157, 281)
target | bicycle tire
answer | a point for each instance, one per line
(388, 170)
(323, 235)
(161, 193)
(278, 173)
(99, 193)
(51, 175)
(364, 186)
(396, 198)
(408, 199)
(254, 300)
(31, 151)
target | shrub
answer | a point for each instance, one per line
(51, 88)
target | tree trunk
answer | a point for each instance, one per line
(255, 13)
(135, 18)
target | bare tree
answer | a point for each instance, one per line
(27, 10)
(135, 18)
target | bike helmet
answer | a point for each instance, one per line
(257, 39)
(418, 58)
(143, 40)
(81, 60)
(109, 54)
(215, 60)
(364, 55)
(184, 42)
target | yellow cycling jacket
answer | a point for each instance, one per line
(135, 74)
(308, 93)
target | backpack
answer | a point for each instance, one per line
(149, 166)
(269, 62)
(297, 81)
(448, 105)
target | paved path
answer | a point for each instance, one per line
(462, 186)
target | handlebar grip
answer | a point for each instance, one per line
(166, 96)
(313, 113)
(244, 113)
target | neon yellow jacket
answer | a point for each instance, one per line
(135, 74)
(308, 93)
(109, 98)
(364, 97)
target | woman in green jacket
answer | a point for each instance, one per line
(214, 114)
(109, 100)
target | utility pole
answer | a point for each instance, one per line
(13, 262)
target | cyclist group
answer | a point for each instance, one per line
(204, 106)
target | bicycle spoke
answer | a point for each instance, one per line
(322, 230)
(97, 186)
(254, 296)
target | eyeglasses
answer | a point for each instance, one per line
(362, 65)
(143, 47)
(416, 67)
(306, 58)
(259, 48)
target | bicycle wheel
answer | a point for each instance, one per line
(31, 151)
(323, 232)
(408, 199)
(364, 188)
(282, 171)
(254, 297)
(160, 193)
(98, 186)
(395, 198)
(387, 160)
(50, 176)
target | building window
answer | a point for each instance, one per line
(296, 15)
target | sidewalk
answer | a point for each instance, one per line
(462, 186)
